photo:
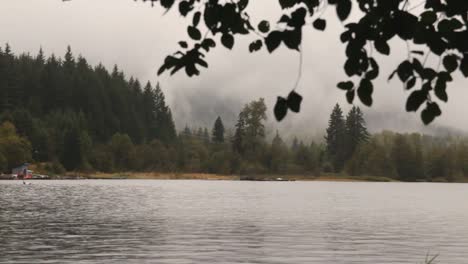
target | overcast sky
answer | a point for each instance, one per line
(137, 38)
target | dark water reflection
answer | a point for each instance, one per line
(231, 222)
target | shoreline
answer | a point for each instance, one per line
(219, 177)
(208, 176)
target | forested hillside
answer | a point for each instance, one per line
(66, 115)
(66, 108)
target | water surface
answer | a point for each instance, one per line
(125, 221)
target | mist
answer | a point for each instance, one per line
(137, 38)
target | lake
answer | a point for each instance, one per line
(151, 221)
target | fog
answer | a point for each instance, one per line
(137, 37)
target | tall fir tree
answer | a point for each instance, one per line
(218, 131)
(356, 130)
(336, 139)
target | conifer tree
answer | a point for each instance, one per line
(356, 131)
(336, 138)
(218, 131)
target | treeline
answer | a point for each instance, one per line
(71, 113)
(69, 116)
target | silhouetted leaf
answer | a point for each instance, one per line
(382, 47)
(320, 24)
(208, 43)
(428, 17)
(184, 8)
(167, 3)
(287, 3)
(365, 91)
(294, 101)
(415, 100)
(431, 111)
(292, 38)
(242, 4)
(343, 9)
(350, 96)
(183, 44)
(273, 40)
(227, 40)
(194, 33)
(196, 19)
(464, 65)
(374, 72)
(450, 63)
(440, 89)
(281, 108)
(264, 26)
(405, 70)
(255, 46)
(345, 85)
(411, 82)
(428, 74)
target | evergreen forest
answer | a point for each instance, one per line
(66, 115)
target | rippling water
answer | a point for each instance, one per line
(231, 222)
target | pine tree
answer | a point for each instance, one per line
(356, 131)
(335, 138)
(165, 124)
(218, 131)
(69, 63)
(240, 133)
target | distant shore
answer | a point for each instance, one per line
(208, 176)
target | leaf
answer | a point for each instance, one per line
(440, 89)
(194, 33)
(183, 44)
(411, 82)
(208, 43)
(242, 4)
(320, 24)
(428, 17)
(428, 74)
(255, 46)
(264, 26)
(415, 100)
(405, 70)
(298, 18)
(431, 111)
(450, 62)
(287, 3)
(374, 72)
(345, 85)
(227, 40)
(196, 19)
(365, 91)
(167, 3)
(184, 8)
(273, 40)
(382, 47)
(292, 38)
(294, 101)
(464, 65)
(281, 108)
(343, 9)
(350, 96)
